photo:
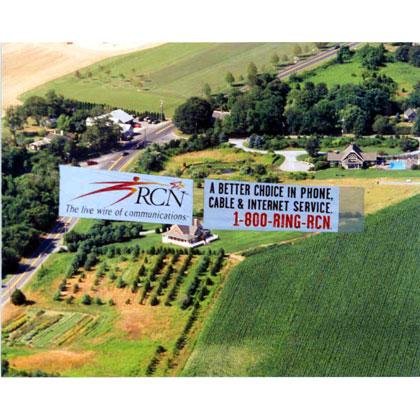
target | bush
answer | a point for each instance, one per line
(321, 164)
(70, 299)
(86, 299)
(18, 298)
(154, 301)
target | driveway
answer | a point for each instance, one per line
(290, 164)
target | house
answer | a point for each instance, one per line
(40, 144)
(188, 236)
(220, 115)
(352, 157)
(46, 140)
(49, 122)
(410, 114)
(117, 117)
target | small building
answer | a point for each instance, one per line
(353, 157)
(410, 114)
(40, 144)
(220, 115)
(46, 140)
(188, 236)
(49, 122)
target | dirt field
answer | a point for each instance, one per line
(53, 361)
(28, 65)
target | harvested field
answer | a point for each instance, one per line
(53, 361)
(28, 65)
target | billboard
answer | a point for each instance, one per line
(100, 194)
(232, 205)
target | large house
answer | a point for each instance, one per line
(188, 236)
(352, 157)
(118, 117)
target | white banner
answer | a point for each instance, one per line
(99, 194)
(231, 205)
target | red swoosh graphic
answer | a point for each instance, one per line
(119, 186)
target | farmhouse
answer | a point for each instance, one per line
(188, 236)
(352, 157)
(118, 117)
(410, 114)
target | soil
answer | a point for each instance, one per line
(53, 361)
(26, 66)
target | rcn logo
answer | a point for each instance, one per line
(150, 193)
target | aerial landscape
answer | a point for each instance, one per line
(85, 297)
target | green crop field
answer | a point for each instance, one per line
(330, 305)
(171, 72)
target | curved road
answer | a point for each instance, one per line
(160, 133)
(290, 164)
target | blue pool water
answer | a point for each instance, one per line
(398, 164)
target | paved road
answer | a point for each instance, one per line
(290, 164)
(114, 161)
(294, 68)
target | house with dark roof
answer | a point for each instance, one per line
(410, 114)
(353, 157)
(188, 236)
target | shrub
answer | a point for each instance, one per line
(86, 299)
(70, 299)
(18, 298)
(98, 301)
(57, 295)
(154, 301)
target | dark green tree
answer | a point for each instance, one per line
(18, 298)
(313, 146)
(15, 119)
(193, 116)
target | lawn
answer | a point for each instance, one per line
(405, 75)
(330, 305)
(366, 173)
(171, 72)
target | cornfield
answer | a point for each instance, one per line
(329, 305)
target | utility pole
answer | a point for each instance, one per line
(161, 109)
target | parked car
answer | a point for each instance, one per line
(155, 122)
(137, 125)
(91, 162)
(125, 154)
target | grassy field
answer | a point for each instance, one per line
(172, 72)
(405, 75)
(331, 305)
(366, 173)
